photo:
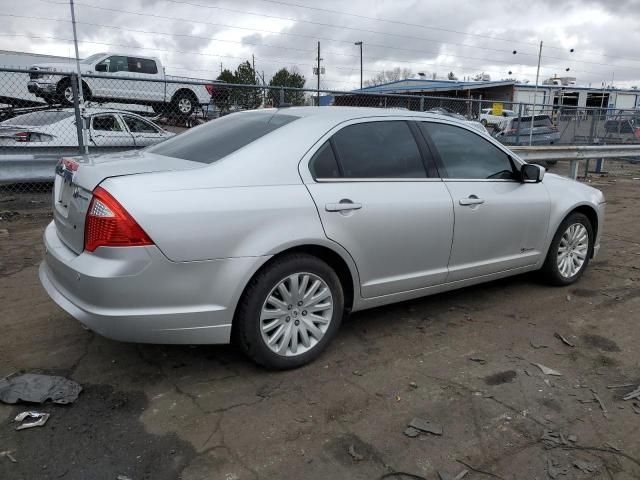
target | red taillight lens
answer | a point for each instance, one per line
(108, 224)
(22, 136)
(209, 88)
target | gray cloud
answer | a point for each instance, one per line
(435, 36)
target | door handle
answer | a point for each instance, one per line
(471, 200)
(343, 206)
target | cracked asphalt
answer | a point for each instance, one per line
(461, 359)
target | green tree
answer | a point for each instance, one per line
(246, 98)
(287, 78)
(222, 96)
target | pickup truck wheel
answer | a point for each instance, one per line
(64, 93)
(183, 104)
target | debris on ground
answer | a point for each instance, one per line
(425, 426)
(9, 455)
(123, 477)
(413, 385)
(357, 373)
(554, 471)
(41, 419)
(636, 407)
(622, 385)
(564, 340)
(38, 388)
(633, 394)
(479, 360)
(547, 370)
(446, 476)
(585, 467)
(552, 439)
(4, 232)
(411, 432)
(599, 400)
(354, 454)
(572, 438)
(536, 344)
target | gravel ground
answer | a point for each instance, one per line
(462, 360)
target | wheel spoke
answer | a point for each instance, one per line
(309, 293)
(269, 314)
(273, 340)
(323, 294)
(294, 288)
(277, 302)
(286, 295)
(285, 341)
(267, 327)
(313, 329)
(304, 335)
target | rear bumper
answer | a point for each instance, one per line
(137, 295)
(41, 88)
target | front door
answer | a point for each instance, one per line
(376, 200)
(143, 132)
(106, 130)
(500, 223)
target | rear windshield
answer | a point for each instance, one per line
(38, 118)
(218, 138)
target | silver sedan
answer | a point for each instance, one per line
(270, 226)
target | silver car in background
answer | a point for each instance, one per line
(57, 128)
(269, 226)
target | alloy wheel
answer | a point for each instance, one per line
(296, 314)
(573, 250)
(184, 105)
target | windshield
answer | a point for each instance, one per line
(38, 118)
(92, 58)
(217, 139)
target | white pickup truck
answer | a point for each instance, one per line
(164, 94)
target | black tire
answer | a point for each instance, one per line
(550, 271)
(160, 108)
(49, 99)
(179, 101)
(483, 122)
(62, 87)
(247, 329)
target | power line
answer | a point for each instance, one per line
(312, 37)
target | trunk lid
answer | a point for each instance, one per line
(76, 177)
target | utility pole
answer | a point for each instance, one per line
(535, 95)
(360, 44)
(79, 76)
(220, 68)
(253, 65)
(318, 71)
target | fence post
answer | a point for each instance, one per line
(422, 104)
(519, 121)
(281, 96)
(79, 120)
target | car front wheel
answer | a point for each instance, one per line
(289, 312)
(570, 251)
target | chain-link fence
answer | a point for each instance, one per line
(43, 115)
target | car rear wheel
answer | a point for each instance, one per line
(289, 312)
(570, 251)
(183, 104)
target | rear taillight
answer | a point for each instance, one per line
(209, 88)
(22, 137)
(108, 224)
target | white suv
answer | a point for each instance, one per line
(499, 121)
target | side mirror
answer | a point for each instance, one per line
(101, 67)
(531, 173)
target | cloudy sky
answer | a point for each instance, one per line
(195, 37)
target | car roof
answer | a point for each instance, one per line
(93, 110)
(340, 114)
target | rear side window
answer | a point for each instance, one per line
(466, 155)
(324, 163)
(214, 140)
(142, 65)
(379, 150)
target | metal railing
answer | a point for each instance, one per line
(41, 118)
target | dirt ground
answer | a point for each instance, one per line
(462, 360)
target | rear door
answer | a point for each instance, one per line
(500, 223)
(106, 130)
(144, 133)
(375, 198)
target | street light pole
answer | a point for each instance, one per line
(535, 96)
(360, 45)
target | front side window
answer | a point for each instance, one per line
(378, 150)
(466, 155)
(214, 140)
(137, 125)
(106, 123)
(113, 64)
